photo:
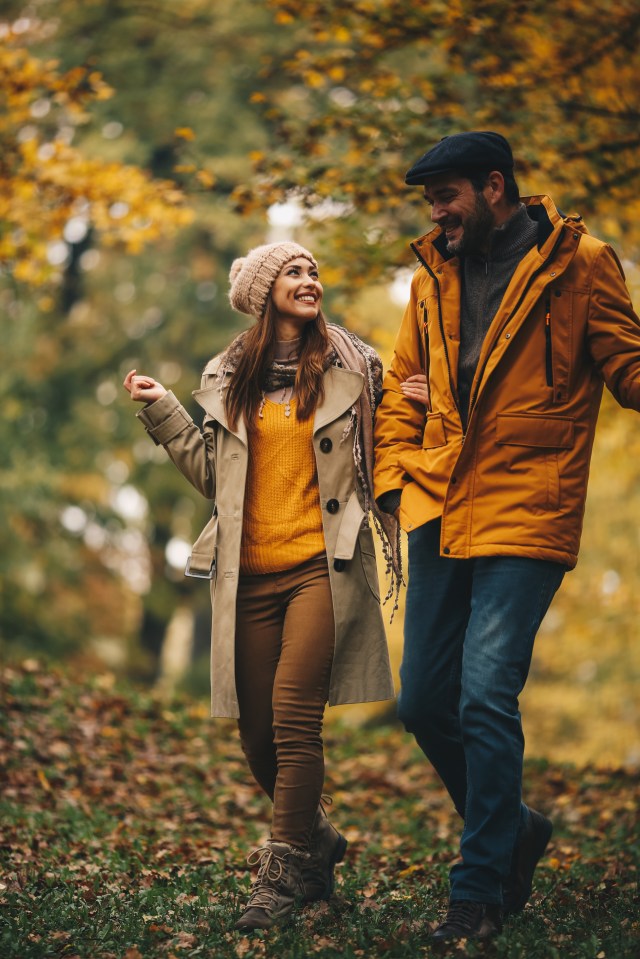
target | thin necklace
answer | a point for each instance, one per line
(287, 406)
(286, 350)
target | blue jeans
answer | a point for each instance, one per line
(468, 639)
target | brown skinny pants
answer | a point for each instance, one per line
(285, 637)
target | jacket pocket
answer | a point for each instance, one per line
(531, 445)
(533, 429)
(434, 432)
(369, 563)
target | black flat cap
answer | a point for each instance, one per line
(464, 152)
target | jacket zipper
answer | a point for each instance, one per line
(454, 392)
(548, 349)
(427, 356)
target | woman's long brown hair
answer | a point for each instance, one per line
(245, 389)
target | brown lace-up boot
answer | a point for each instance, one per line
(469, 920)
(326, 847)
(277, 887)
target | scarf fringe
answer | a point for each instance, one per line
(354, 354)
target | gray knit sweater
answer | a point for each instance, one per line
(484, 280)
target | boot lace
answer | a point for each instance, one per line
(461, 912)
(272, 876)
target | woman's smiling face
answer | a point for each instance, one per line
(297, 293)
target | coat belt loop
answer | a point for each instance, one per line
(202, 562)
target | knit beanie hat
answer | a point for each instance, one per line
(252, 276)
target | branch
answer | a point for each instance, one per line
(624, 177)
(618, 147)
(622, 36)
(572, 105)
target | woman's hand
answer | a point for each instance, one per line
(143, 389)
(415, 388)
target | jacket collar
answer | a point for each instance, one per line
(341, 390)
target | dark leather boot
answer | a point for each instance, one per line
(277, 888)
(326, 847)
(469, 920)
(530, 846)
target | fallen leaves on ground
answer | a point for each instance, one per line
(136, 819)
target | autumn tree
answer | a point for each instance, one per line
(366, 86)
(49, 190)
(97, 254)
(101, 272)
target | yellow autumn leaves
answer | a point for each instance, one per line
(49, 186)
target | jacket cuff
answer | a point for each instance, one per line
(390, 501)
(164, 419)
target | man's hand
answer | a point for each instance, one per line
(415, 388)
(143, 389)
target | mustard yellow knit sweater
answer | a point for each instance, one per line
(282, 520)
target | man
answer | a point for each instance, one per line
(517, 317)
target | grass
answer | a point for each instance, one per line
(126, 825)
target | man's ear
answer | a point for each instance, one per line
(494, 188)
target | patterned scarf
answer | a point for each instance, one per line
(349, 352)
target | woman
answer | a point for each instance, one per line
(285, 454)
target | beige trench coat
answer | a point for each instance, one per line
(215, 460)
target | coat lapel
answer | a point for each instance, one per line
(341, 390)
(211, 399)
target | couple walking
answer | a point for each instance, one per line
(477, 443)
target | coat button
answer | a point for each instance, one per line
(339, 565)
(333, 506)
(446, 550)
(454, 480)
(326, 445)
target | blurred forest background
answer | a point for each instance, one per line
(143, 145)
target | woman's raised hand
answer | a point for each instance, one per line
(415, 388)
(143, 389)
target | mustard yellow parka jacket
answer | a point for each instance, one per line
(515, 483)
